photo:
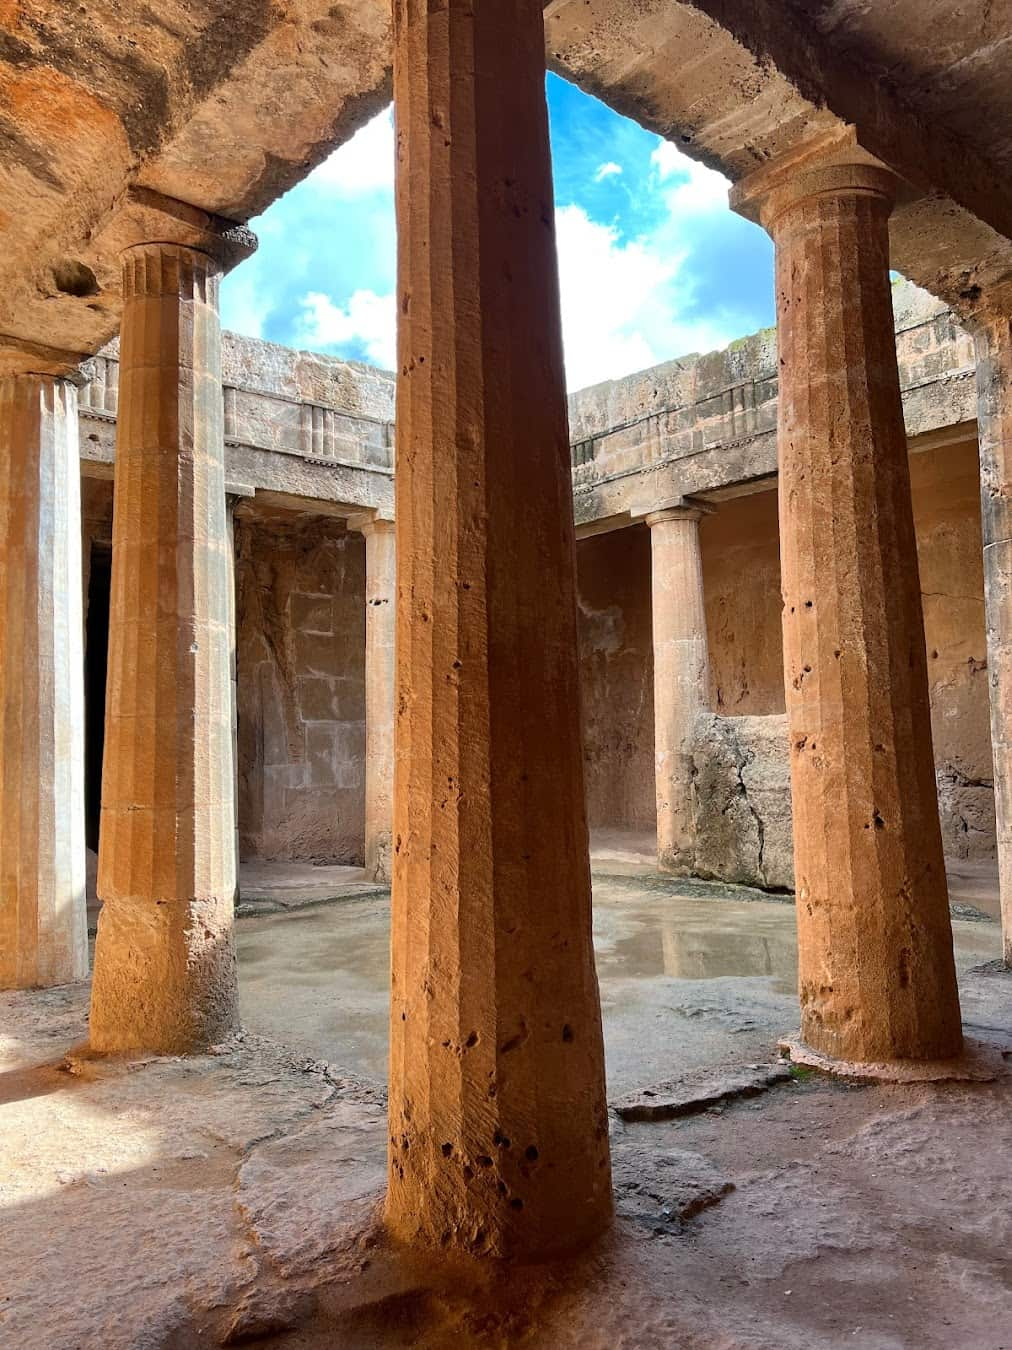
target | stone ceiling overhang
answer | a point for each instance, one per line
(226, 105)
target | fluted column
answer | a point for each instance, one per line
(681, 675)
(992, 335)
(165, 973)
(498, 1118)
(877, 978)
(43, 927)
(380, 612)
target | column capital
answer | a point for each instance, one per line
(827, 166)
(679, 508)
(368, 522)
(145, 217)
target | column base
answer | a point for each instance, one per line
(978, 1062)
(675, 863)
(165, 978)
(379, 859)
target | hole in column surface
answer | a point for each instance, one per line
(516, 1203)
(567, 1033)
(531, 1153)
(446, 1150)
(72, 277)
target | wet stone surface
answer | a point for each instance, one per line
(694, 976)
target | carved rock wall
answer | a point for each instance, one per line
(616, 672)
(740, 545)
(946, 498)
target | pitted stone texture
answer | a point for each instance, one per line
(681, 676)
(165, 975)
(742, 800)
(875, 945)
(43, 931)
(993, 343)
(498, 1119)
(380, 612)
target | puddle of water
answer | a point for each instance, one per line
(318, 979)
(688, 939)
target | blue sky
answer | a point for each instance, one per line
(652, 263)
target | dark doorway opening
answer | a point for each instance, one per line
(96, 660)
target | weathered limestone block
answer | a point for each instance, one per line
(165, 971)
(681, 675)
(992, 334)
(43, 928)
(742, 800)
(876, 970)
(966, 815)
(498, 1117)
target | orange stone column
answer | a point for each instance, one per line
(43, 928)
(498, 1117)
(380, 612)
(165, 970)
(876, 971)
(681, 675)
(992, 335)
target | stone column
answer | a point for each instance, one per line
(380, 610)
(43, 925)
(165, 970)
(876, 971)
(233, 678)
(681, 675)
(992, 335)
(498, 1117)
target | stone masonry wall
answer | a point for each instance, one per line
(300, 584)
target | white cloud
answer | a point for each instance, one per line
(622, 297)
(609, 170)
(365, 163)
(620, 301)
(620, 304)
(368, 320)
(697, 188)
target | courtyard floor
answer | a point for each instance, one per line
(232, 1198)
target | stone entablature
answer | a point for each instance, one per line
(705, 424)
(303, 425)
(296, 424)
